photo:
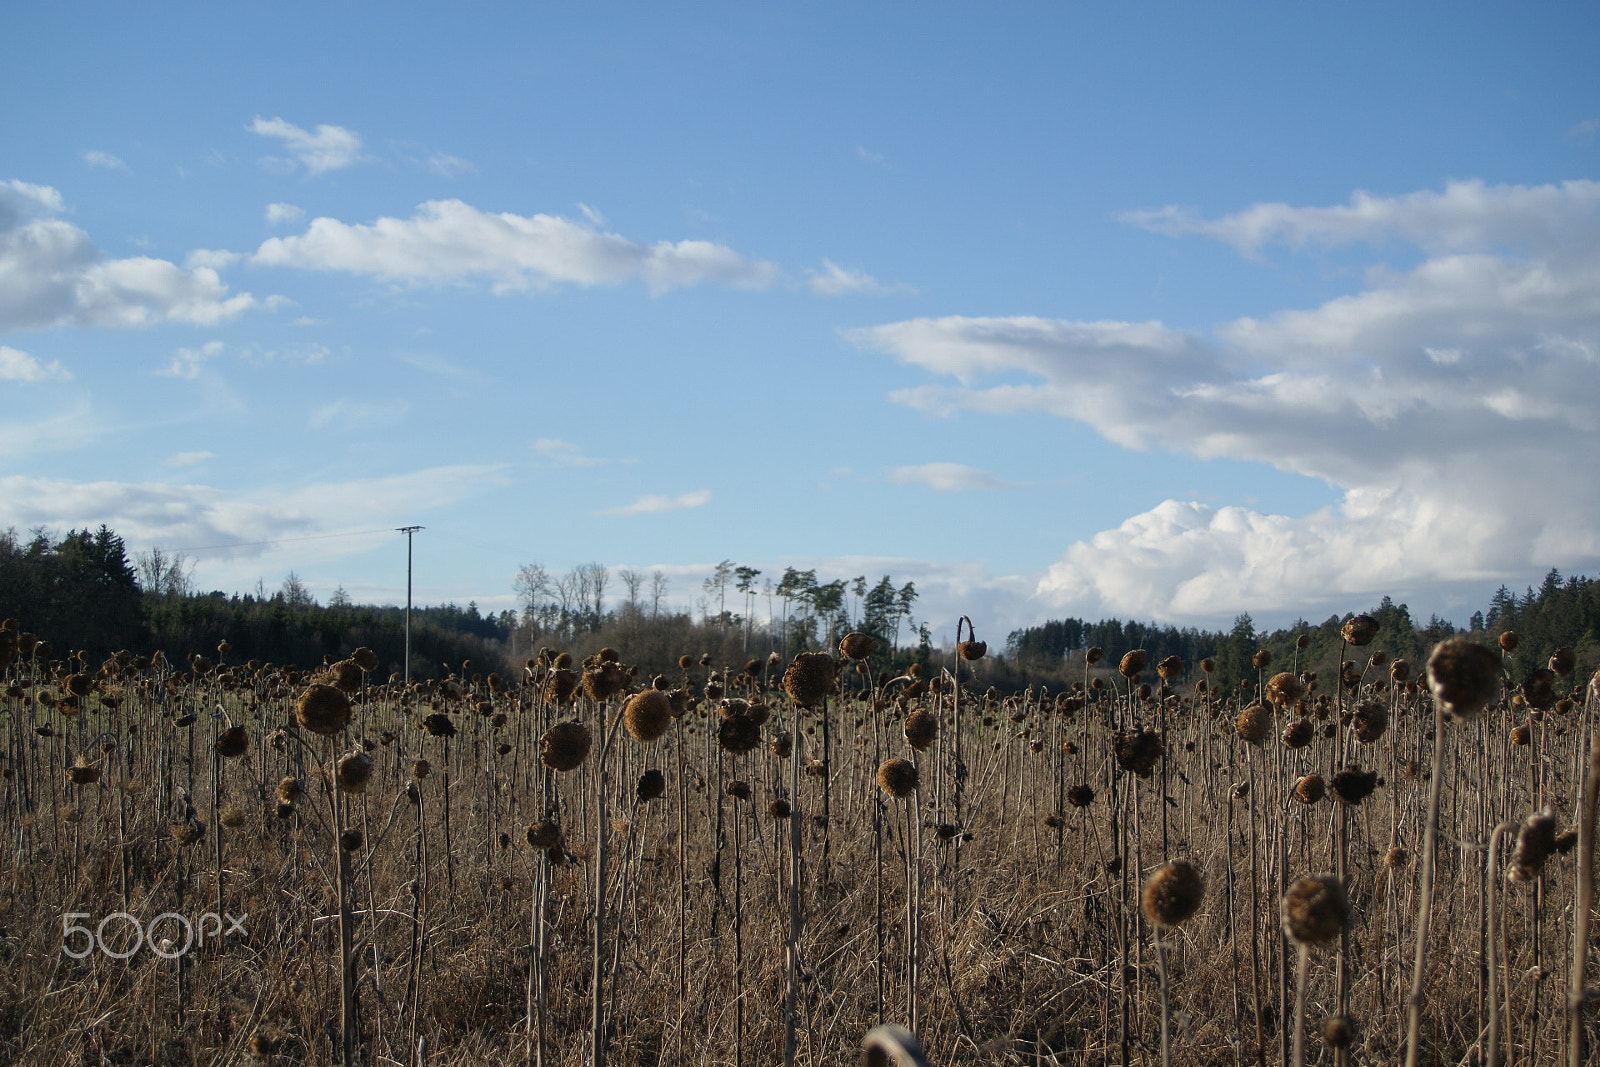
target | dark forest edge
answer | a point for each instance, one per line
(82, 592)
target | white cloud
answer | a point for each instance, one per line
(946, 477)
(1583, 132)
(866, 155)
(186, 362)
(834, 280)
(359, 415)
(210, 259)
(449, 241)
(96, 158)
(324, 149)
(1465, 215)
(1451, 403)
(51, 274)
(281, 212)
(648, 505)
(188, 459)
(193, 516)
(18, 366)
(448, 166)
(559, 453)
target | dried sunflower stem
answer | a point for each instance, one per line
(1576, 992)
(1425, 907)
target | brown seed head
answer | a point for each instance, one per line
(1284, 690)
(1310, 789)
(1464, 676)
(1080, 796)
(1359, 630)
(1564, 661)
(739, 789)
(972, 650)
(1172, 893)
(1132, 663)
(1170, 668)
(921, 729)
(1536, 840)
(565, 745)
(290, 790)
(1315, 909)
(1093, 655)
(1298, 734)
(897, 777)
(648, 715)
(365, 659)
(350, 840)
(1509, 641)
(233, 742)
(779, 808)
(545, 834)
(652, 784)
(1262, 659)
(856, 646)
(810, 678)
(1253, 724)
(1369, 722)
(323, 710)
(738, 733)
(1338, 1031)
(1139, 750)
(354, 771)
(1353, 785)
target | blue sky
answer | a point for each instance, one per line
(1163, 311)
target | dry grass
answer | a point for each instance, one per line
(1031, 943)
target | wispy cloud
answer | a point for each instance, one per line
(448, 166)
(104, 160)
(17, 366)
(185, 516)
(866, 155)
(649, 505)
(279, 213)
(323, 149)
(558, 453)
(359, 414)
(1583, 132)
(186, 362)
(834, 280)
(447, 240)
(188, 459)
(946, 477)
(55, 276)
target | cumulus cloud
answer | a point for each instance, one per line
(323, 149)
(450, 241)
(18, 366)
(280, 213)
(946, 477)
(105, 160)
(834, 280)
(648, 505)
(51, 274)
(1450, 402)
